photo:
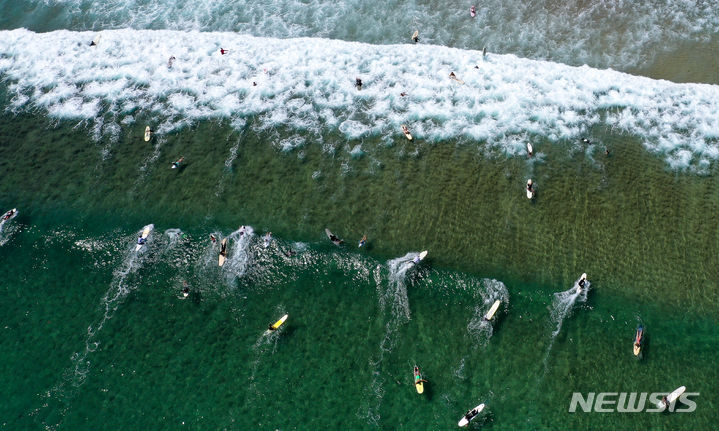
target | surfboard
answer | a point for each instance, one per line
(418, 383)
(464, 421)
(337, 241)
(638, 340)
(145, 234)
(96, 41)
(277, 324)
(456, 79)
(415, 35)
(405, 130)
(672, 397)
(423, 255)
(148, 133)
(493, 309)
(12, 212)
(223, 252)
(530, 150)
(530, 191)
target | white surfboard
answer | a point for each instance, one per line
(148, 133)
(530, 149)
(145, 234)
(672, 397)
(96, 41)
(415, 35)
(406, 132)
(492, 310)
(330, 235)
(471, 415)
(12, 212)
(530, 190)
(423, 255)
(223, 252)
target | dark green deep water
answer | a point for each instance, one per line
(645, 235)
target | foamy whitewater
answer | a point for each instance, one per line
(617, 34)
(306, 87)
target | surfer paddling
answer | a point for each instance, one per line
(176, 164)
(8, 214)
(358, 83)
(363, 241)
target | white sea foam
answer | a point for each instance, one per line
(600, 33)
(306, 86)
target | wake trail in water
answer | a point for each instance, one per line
(74, 377)
(6, 234)
(395, 311)
(562, 305)
(479, 328)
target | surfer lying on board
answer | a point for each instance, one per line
(223, 51)
(213, 239)
(335, 240)
(418, 377)
(177, 163)
(472, 413)
(358, 83)
(141, 240)
(529, 186)
(363, 241)
(8, 214)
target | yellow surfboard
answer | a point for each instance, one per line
(273, 327)
(418, 381)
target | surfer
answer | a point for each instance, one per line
(223, 249)
(242, 230)
(471, 414)
(417, 376)
(452, 75)
(416, 260)
(93, 43)
(268, 238)
(363, 241)
(335, 240)
(223, 51)
(289, 253)
(415, 38)
(185, 289)
(403, 94)
(177, 163)
(473, 11)
(484, 52)
(213, 239)
(8, 214)
(141, 241)
(529, 186)
(170, 61)
(586, 141)
(358, 83)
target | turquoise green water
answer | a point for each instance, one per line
(344, 359)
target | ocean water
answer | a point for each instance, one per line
(618, 99)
